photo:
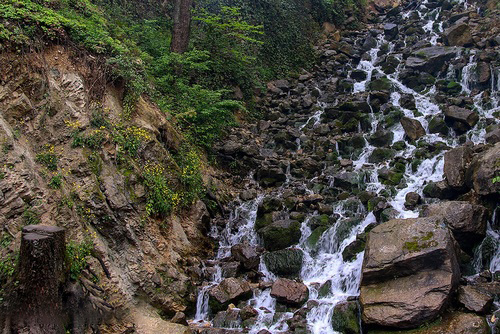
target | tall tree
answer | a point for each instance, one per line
(182, 23)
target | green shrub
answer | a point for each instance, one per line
(161, 199)
(56, 181)
(30, 216)
(77, 254)
(190, 177)
(48, 158)
(8, 266)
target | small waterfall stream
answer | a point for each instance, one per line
(328, 276)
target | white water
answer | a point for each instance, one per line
(324, 263)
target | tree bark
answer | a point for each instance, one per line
(182, 24)
(41, 271)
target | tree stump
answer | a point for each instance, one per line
(38, 307)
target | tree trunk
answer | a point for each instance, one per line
(41, 271)
(182, 23)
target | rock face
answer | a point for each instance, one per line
(466, 220)
(413, 129)
(409, 272)
(228, 291)
(289, 292)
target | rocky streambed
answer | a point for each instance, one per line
(369, 191)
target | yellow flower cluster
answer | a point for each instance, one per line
(47, 148)
(137, 132)
(154, 169)
(74, 125)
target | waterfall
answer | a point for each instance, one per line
(324, 266)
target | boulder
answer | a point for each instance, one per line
(482, 170)
(413, 129)
(493, 136)
(285, 262)
(412, 199)
(391, 31)
(458, 35)
(227, 319)
(455, 165)
(409, 273)
(467, 221)
(381, 154)
(381, 138)
(438, 125)
(440, 190)
(280, 234)
(230, 290)
(460, 119)
(247, 255)
(474, 300)
(271, 176)
(346, 181)
(289, 292)
(431, 59)
(345, 318)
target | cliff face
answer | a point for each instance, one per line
(63, 163)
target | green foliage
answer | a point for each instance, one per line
(8, 266)
(56, 181)
(48, 158)
(93, 141)
(191, 180)
(77, 254)
(130, 139)
(161, 199)
(80, 19)
(30, 216)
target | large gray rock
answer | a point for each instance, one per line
(482, 170)
(455, 165)
(289, 292)
(458, 35)
(466, 220)
(431, 59)
(460, 119)
(391, 31)
(230, 290)
(285, 262)
(413, 128)
(410, 270)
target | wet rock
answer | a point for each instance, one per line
(382, 138)
(248, 312)
(431, 59)
(493, 136)
(247, 255)
(407, 101)
(230, 290)
(474, 300)
(280, 234)
(247, 195)
(388, 214)
(227, 319)
(345, 318)
(381, 154)
(346, 181)
(440, 190)
(456, 162)
(285, 262)
(289, 292)
(460, 119)
(410, 270)
(179, 318)
(391, 31)
(270, 176)
(230, 269)
(438, 125)
(413, 129)
(382, 84)
(354, 248)
(358, 75)
(458, 35)
(482, 170)
(466, 220)
(412, 199)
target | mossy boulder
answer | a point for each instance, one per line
(280, 234)
(382, 84)
(313, 239)
(345, 318)
(381, 154)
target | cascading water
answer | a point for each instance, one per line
(329, 278)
